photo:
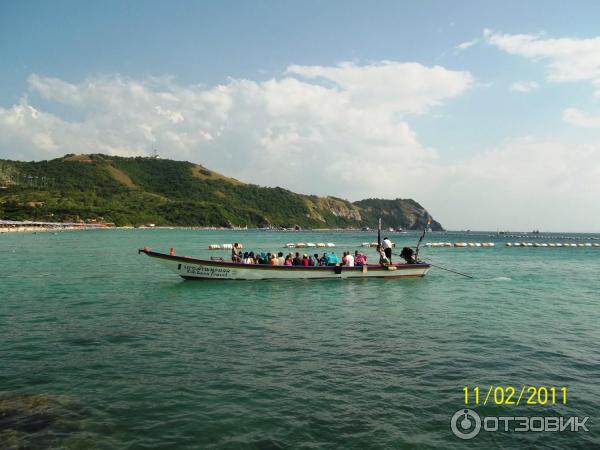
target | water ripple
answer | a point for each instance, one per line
(147, 361)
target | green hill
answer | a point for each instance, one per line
(134, 191)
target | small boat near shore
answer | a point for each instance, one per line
(197, 269)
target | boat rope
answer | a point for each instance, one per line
(448, 270)
(440, 267)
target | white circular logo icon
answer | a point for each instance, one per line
(465, 423)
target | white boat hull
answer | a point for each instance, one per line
(192, 268)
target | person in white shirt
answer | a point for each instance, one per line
(387, 248)
(349, 260)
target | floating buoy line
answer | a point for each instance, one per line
(460, 244)
(552, 244)
(516, 244)
(373, 244)
(309, 245)
(223, 246)
(432, 244)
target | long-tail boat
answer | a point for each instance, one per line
(215, 269)
(218, 269)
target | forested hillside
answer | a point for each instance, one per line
(135, 191)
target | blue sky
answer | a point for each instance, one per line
(239, 72)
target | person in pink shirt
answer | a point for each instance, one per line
(359, 258)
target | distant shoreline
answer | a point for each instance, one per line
(26, 228)
(8, 226)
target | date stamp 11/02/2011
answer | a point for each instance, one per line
(467, 423)
(515, 395)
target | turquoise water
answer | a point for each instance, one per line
(123, 354)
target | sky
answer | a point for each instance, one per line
(487, 113)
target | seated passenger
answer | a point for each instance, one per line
(297, 261)
(323, 260)
(359, 259)
(314, 260)
(288, 260)
(332, 259)
(305, 260)
(251, 259)
(262, 259)
(349, 260)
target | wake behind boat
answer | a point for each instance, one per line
(193, 268)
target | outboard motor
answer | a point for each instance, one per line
(408, 254)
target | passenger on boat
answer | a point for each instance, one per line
(323, 260)
(305, 261)
(360, 259)
(331, 259)
(288, 260)
(259, 258)
(297, 261)
(349, 260)
(280, 258)
(382, 257)
(387, 248)
(314, 260)
(250, 259)
(273, 261)
(236, 254)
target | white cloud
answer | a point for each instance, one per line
(523, 86)
(568, 59)
(467, 44)
(579, 118)
(341, 130)
(393, 86)
(337, 130)
(524, 184)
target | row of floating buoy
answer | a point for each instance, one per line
(373, 244)
(223, 246)
(542, 236)
(460, 244)
(551, 244)
(428, 244)
(309, 245)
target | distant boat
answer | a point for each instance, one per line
(196, 269)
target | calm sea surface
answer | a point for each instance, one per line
(103, 348)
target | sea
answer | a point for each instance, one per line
(103, 348)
